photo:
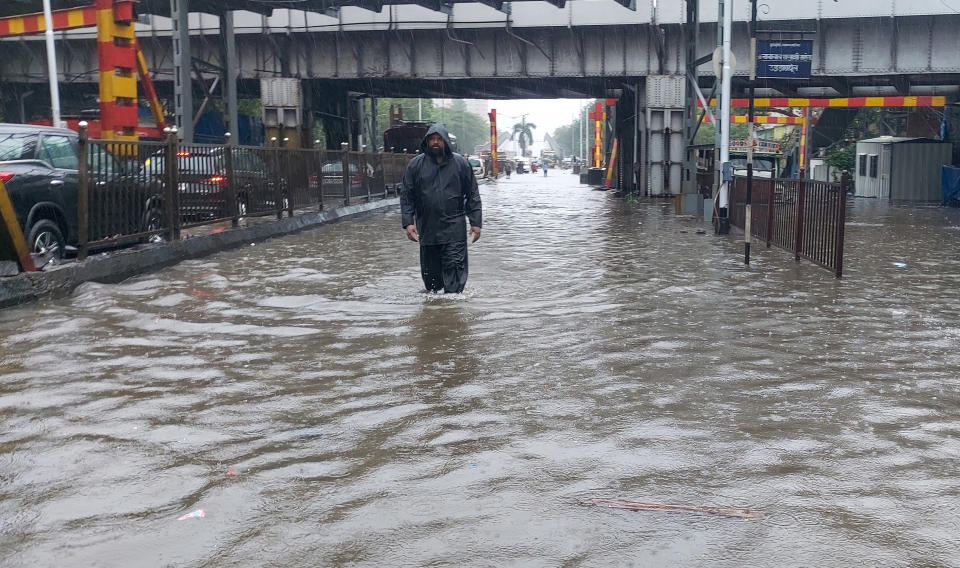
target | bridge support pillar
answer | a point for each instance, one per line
(328, 105)
(627, 133)
(666, 147)
(182, 76)
(232, 73)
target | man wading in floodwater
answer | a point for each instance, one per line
(439, 189)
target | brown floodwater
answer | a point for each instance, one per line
(322, 411)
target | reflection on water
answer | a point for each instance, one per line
(321, 410)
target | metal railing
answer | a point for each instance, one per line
(805, 217)
(139, 191)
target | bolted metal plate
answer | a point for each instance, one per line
(665, 91)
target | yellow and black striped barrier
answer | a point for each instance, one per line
(12, 244)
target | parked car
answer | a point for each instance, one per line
(332, 173)
(39, 166)
(203, 184)
(477, 165)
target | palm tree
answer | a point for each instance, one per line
(523, 131)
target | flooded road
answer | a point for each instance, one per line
(321, 411)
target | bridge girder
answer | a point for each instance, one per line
(624, 53)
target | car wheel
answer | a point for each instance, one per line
(153, 225)
(46, 239)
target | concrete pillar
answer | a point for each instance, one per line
(233, 73)
(182, 91)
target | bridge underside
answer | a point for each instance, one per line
(904, 55)
(852, 57)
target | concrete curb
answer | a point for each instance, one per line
(120, 265)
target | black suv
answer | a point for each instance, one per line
(40, 167)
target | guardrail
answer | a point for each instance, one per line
(140, 191)
(805, 217)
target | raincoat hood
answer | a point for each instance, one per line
(442, 131)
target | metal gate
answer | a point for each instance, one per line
(803, 216)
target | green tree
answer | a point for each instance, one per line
(842, 158)
(523, 132)
(707, 133)
(566, 137)
(470, 129)
(569, 137)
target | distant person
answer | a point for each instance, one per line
(509, 168)
(439, 192)
(544, 169)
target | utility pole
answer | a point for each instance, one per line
(750, 127)
(51, 64)
(723, 222)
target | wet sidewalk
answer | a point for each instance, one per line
(321, 410)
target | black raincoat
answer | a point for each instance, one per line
(437, 198)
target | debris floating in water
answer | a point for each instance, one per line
(641, 506)
(198, 514)
(900, 264)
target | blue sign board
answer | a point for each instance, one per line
(784, 58)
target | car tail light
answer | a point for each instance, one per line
(6, 176)
(219, 180)
(183, 154)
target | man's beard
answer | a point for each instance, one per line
(436, 151)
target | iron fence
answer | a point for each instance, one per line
(805, 217)
(139, 191)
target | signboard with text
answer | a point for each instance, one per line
(784, 59)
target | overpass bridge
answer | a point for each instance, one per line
(342, 51)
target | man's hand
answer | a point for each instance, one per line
(412, 233)
(475, 231)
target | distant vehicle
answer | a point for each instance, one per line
(548, 158)
(765, 154)
(763, 166)
(405, 138)
(333, 177)
(523, 166)
(477, 164)
(202, 184)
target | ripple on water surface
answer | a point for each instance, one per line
(321, 410)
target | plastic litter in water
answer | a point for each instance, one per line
(900, 264)
(198, 514)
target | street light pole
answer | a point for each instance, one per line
(750, 130)
(726, 175)
(51, 63)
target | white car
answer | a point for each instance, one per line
(478, 170)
